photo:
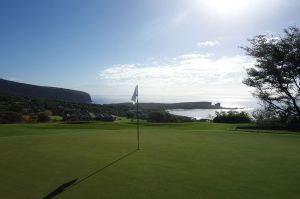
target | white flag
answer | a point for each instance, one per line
(135, 94)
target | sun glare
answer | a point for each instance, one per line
(227, 7)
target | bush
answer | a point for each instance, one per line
(266, 118)
(156, 117)
(293, 124)
(232, 117)
(48, 112)
(26, 118)
(43, 117)
(33, 117)
(165, 117)
(16, 107)
(270, 119)
(9, 117)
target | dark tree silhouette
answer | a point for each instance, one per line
(276, 73)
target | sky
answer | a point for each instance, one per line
(175, 50)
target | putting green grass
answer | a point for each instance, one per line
(190, 160)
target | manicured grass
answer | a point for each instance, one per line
(190, 160)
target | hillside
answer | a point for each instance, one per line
(21, 89)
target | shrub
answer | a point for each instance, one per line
(26, 118)
(33, 117)
(156, 117)
(232, 117)
(266, 118)
(10, 117)
(165, 117)
(130, 114)
(16, 107)
(270, 119)
(43, 117)
(48, 112)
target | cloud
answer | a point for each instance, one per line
(209, 43)
(190, 75)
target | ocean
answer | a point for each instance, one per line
(247, 104)
(205, 113)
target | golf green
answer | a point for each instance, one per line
(190, 160)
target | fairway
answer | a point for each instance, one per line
(190, 160)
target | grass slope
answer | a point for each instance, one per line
(194, 160)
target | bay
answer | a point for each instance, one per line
(205, 113)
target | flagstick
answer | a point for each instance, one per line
(137, 122)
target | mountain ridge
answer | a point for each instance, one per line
(8, 87)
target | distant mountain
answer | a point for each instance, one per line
(21, 89)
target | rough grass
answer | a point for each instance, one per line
(190, 160)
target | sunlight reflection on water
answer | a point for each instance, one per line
(205, 113)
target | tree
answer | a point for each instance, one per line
(276, 74)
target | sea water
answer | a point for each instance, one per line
(238, 104)
(205, 113)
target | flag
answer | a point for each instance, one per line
(134, 98)
(135, 94)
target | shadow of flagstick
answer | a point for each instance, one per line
(68, 185)
(61, 189)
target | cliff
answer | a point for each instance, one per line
(21, 89)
